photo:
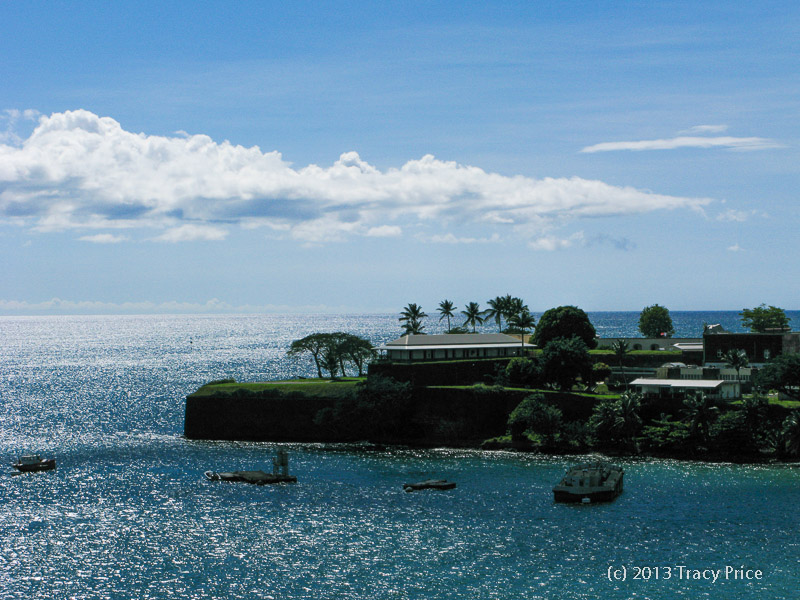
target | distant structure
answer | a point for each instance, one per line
(759, 347)
(454, 346)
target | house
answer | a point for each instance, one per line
(759, 347)
(454, 346)
(659, 343)
(668, 388)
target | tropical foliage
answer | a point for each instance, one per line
(534, 414)
(565, 322)
(564, 361)
(763, 318)
(736, 359)
(654, 321)
(473, 314)
(411, 318)
(446, 310)
(332, 352)
(782, 373)
(617, 422)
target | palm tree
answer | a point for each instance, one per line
(700, 411)
(736, 359)
(522, 321)
(498, 308)
(628, 420)
(513, 306)
(411, 317)
(473, 314)
(790, 435)
(446, 309)
(621, 350)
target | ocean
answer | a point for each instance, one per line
(129, 514)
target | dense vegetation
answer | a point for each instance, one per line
(764, 318)
(654, 321)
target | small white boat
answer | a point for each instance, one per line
(33, 462)
(588, 483)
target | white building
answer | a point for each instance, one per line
(454, 346)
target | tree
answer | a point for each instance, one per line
(566, 360)
(700, 412)
(654, 321)
(620, 348)
(473, 314)
(354, 349)
(522, 322)
(523, 372)
(534, 414)
(790, 434)
(316, 343)
(782, 373)
(446, 308)
(330, 351)
(764, 318)
(736, 359)
(411, 317)
(565, 322)
(498, 308)
(618, 421)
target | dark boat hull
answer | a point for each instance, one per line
(45, 465)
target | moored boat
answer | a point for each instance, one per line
(429, 484)
(256, 477)
(587, 483)
(33, 462)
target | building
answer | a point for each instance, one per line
(759, 347)
(454, 346)
(659, 343)
(669, 388)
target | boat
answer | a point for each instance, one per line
(33, 462)
(588, 483)
(256, 477)
(429, 484)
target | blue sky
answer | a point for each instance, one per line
(258, 156)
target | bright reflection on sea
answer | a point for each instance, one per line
(128, 513)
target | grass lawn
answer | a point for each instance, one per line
(309, 387)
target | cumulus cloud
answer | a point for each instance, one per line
(732, 143)
(735, 248)
(385, 231)
(191, 233)
(551, 243)
(80, 170)
(103, 238)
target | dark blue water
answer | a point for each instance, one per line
(128, 513)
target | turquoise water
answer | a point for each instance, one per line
(128, 513)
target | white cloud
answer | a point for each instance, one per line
(385, 231)
(697, 138)
(703, 129)
(735, 248)
(733, 143)
(192, 233)
(78, 170)
(103, 238)
(552, 243)
(449, 238)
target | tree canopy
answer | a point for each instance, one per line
(565, 322)
(564, 361)
(782, 373)
(764, 318)
(654, 321)
(333, 351)
(411, 318)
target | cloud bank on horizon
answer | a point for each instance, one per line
(80, 171)
(696, 139)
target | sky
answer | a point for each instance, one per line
(357, 157)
